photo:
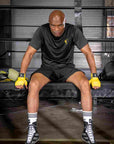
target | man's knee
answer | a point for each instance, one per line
(37, 81)
(34, 84)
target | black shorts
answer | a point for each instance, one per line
(57, 75)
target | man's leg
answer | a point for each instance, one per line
(38, 80)
(80, 80)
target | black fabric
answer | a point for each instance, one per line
(58, 52)
(94, 74)
(108, 72)
(57, 75)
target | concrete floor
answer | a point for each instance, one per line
(57, 124)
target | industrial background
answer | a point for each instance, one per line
(57, 122)
(19, 24)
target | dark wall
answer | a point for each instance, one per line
(5, 32)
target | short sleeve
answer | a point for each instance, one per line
(79, 39)
(36, 39)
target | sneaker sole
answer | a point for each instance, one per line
(34, 142)
(85, 141)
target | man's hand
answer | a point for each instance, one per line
(94, 81)
(21, 81)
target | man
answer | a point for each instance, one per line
(56, 40)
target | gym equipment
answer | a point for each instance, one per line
(94, 81)
(108, 72)
(21, 80)
(12, 74)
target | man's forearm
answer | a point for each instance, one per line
(25, 62)
(91, 62)
(90, 58)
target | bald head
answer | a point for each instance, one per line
(57, 22)
(55, 14)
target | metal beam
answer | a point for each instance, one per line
(53, 7)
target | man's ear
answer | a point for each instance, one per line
(64, 21)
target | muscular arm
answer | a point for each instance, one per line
(27, 59)
(90, 58)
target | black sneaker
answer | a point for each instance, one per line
(33, 135)
(88, 135)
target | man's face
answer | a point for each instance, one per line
(57, 26)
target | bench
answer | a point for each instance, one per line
(56, 90)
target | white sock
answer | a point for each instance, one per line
(32, 117)
(87, 116)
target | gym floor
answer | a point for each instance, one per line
(57, 124)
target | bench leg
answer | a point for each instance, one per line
(94, 101)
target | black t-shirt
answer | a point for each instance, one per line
(57, 51)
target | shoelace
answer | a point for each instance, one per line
(31, 132)
(90, 132)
